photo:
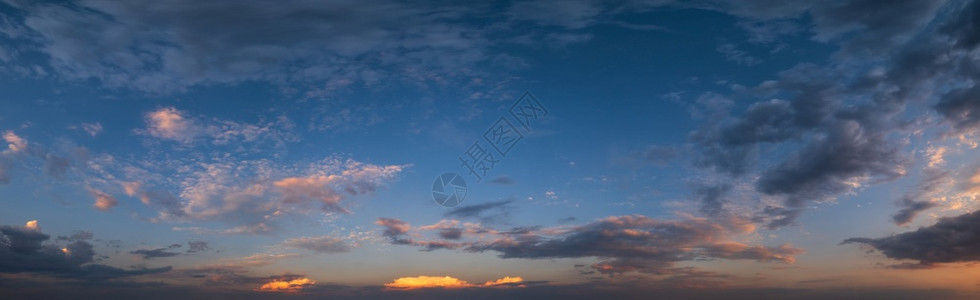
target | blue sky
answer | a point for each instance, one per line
(700, 149)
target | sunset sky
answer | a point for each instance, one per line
(630, 149)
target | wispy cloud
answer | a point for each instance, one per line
(168, 123)
(319, 244)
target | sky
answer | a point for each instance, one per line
(574, 149)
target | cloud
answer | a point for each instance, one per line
(507, 280)
(834, 150)
(569, 14)
(447, 282)
(286, 284)
(837, 127)
(482, 211)
(58, 164)
(316, 187)
(157, 253)
(92, 129)
(168, 123)
(963, 27)
(357, 178)
(832, 165)
(427, 282)
(395, 229)
(622, 243)
(32, 225)
(22, 250)
(880, 26)
(502, 180)
(451, 233)
(920, 199)
(951, 239)
(167, 48)
(643, 244)
(15, 143)
(197, 246)
(252, 196)
(319, 244)
(712, 197)
(103, 201)
(740, 57)
(960, 107)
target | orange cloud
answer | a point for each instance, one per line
(419, 282)
(169, 123)
(293, 285)
(505, 280)
(32, 224)
(103, 201)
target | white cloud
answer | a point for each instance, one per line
(92, 129)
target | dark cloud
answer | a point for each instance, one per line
(56, 166)
(881, 27)
(965, 27)
(624, 244)
(157, 253)
(23, 240)
(197, 246)
(829, 165)
(844, 144)
(638, 243)
(910, 209)
(712, 197)
(22, 251)
(961, 107)
(838, 124)
(170, 204)
(451, 233)
(503, 180)
(490, 212)
(169, 47)
(914, 202)
(567, 220)
(78, 235)
(395, 230)
(952, 239)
